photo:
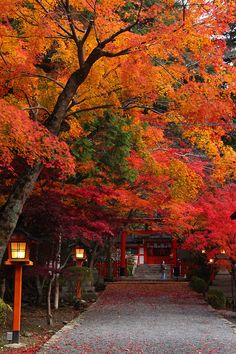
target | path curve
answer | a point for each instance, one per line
(161, 318)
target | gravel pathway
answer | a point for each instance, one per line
(146, 318)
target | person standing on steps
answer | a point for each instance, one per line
(163, 270)
(177, 270)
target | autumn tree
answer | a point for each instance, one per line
(160, 61)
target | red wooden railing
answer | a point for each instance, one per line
(103, 269)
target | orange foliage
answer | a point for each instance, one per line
(20, 136)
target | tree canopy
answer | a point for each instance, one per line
(130, 100)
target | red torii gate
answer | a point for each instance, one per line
(143, 233)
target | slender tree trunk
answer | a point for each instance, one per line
(233, 285)
(109, 260)
(78, 287)
(49, 308)
(93, 257)
(57, 267)
(57, 292)
(39, 287)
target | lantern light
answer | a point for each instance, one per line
(211, 260)
(203, 251)
(18, 250)
(222, 251)
(79, 253)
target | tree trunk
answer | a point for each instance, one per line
(93, 257)
(39, 287)
(109, 259)
(14, 205)
(57, 265)
(233, 285)
(78, 287)
(49, 308)
(57, 292)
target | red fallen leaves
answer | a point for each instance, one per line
(118, 293)
(32, 349)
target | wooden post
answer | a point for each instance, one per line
(78, 287)
(17, 303)
(174, 250)
(233, 286)
(79, 280)
(122, 253)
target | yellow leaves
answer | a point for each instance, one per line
(207, 139)
(78, 4)
(174, 117)
(152, 166)
(223, 158)
(102, 84)
(225, 165)
(186, 183)
(75, 131)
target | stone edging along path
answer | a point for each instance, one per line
(146, 318)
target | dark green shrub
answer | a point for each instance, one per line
(216, 298)
(198, 284)
(4, 310)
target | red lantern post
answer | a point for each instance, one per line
(80, 257)
(18, 255)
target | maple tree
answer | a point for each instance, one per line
(209, 224)
(159, 63)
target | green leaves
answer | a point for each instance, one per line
(108, 145)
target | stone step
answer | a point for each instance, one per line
(131, 279)
(150, 272)
(151, 269)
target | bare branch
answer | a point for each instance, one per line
(4, 60)
(117, 54)
(53, 19)
(45, 77)
(32, 113)
(37, 107)
(70, 20)
(65, 261)
(164, 68)
(90, 109)
(74, 34)
(116, 34)
(79, 42)
(90, 26)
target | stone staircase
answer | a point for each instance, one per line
(151, 272)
